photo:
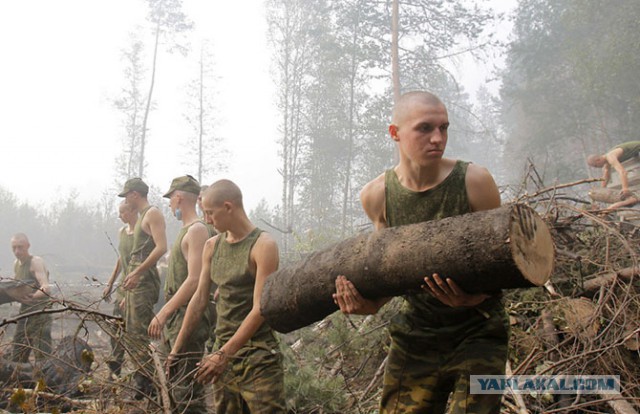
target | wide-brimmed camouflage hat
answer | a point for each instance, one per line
(184, 183)
(134, 184)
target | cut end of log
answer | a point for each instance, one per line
(532, 245)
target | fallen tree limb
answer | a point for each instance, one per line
(608, 278)
(65, 308)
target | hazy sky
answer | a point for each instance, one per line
(62, 68)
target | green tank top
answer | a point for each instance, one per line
(143, 244)
(178, 269)
(230, 272)
(422, 314)
(23, 273)
(629, 150)
(125, 245)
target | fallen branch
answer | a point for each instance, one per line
(65, 308)
(559, 186)
(608, 278)
(162, 379)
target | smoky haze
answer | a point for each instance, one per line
(291, 99)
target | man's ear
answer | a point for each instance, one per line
(393, 131)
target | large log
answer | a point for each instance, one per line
(508, 247)
(11, 290)
(605, 195)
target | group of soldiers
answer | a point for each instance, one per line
(440, 337)
(235, 263)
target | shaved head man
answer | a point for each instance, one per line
(246, 367)
(442, 335)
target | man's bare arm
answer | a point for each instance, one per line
(106, 294)
(199, 300)
(482, 190)
(42, 276)
(193, 243)
(606, 175)
(612, 159)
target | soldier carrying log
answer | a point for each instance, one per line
(442, 335)
(33, 332)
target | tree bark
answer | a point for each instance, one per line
(508, 247)
(605, 195)
(11, 290)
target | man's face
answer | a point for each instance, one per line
(20, 248)
(126, 213)
(215, 215)
(422, 133)
(131, 198)
(200, 201)
(174, 201)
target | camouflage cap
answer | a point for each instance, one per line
(134, 184)
(185, 183)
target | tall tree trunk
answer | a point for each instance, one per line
(346, 191)
(201, 117)
(143, 137)
(485, 251)
(395, 55)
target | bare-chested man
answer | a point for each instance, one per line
(142, 282)
(34, 332)
(614, 158)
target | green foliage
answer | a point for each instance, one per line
(310, 391)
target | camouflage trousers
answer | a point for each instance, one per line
(138, 314)
(422, 374)
(32, 333)
(116, 359)
(188, 396)
(253, 383)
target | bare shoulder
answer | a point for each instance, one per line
(372, 198)
(154, 214)
(266, 241)
(210, 244)
(37, 264)
(198, 229)
(614, 153)
(481, 188)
